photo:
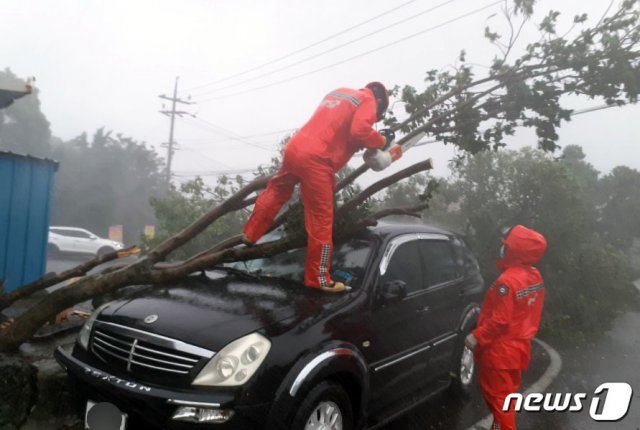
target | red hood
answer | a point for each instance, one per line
(523, 246)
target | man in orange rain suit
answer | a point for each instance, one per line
(341, 125)
(509, 318)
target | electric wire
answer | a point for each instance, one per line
(333, 36)
(205, 156)
(228, 133)
(252, 136)
(330, 50)
(421, 143)
(362, 54)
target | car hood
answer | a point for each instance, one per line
(210, 311)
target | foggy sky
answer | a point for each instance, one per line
(104, 63)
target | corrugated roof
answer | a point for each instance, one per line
(27, 156)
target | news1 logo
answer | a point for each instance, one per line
(609, 402)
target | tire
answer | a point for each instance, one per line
(464, 371)
(326, 402)
(52, 250)
(105, 250)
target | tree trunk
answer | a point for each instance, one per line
(50, 279)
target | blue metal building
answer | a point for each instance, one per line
(26, 185)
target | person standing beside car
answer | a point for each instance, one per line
(509, 319)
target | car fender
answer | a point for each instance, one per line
(332, 360)
(469, 317)
(59, 243)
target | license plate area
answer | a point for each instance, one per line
(104, 416)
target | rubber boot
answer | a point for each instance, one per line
(336, 287)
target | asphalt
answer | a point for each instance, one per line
(445, 412)
(64, 262)
(615, 357)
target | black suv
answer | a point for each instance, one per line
(246, 346)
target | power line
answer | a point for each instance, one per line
(213, 172)
(302, 49)
(304, 60)
(473, 12)
(225, 144)
(576, 112)
(422, 143)
(270, 133)
(593, 109)
(203, 155)
(284, 130)
(228, 133)
(232, 134)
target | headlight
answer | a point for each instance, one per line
(235, 363)
(85, 331)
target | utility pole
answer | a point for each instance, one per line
(172, 114)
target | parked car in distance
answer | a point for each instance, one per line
(247, 346)
(79, 240)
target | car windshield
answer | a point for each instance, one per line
(348, 262)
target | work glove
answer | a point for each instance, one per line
(388, 134)
(376, 159)
(470, 341)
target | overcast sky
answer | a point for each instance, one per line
(104, 63)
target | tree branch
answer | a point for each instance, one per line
(405, 210)
(51, 279)
(233, 203)
(383, 183)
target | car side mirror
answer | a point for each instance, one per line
(93, 237)
(393, 291)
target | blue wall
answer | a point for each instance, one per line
(26, 184)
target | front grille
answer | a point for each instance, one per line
(145, 354)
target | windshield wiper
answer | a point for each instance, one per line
(235, 271)
(262, 275)
(258, 275)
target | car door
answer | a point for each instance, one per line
(443, 283)
(399, 350)
(65, 241)
(84, 241)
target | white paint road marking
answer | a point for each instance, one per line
(539, 386)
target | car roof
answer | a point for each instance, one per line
(395, 229)
(68, 228)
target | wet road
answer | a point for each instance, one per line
(66, 261)
(445, 412)
(615, 357)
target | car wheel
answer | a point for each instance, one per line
(326, 407)
(464, 372)
(52, 250)
(105, 250)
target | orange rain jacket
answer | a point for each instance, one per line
(340, 126)
(512, 307)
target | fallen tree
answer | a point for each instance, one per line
(51, 279)
(147, 271)
(456, 107)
